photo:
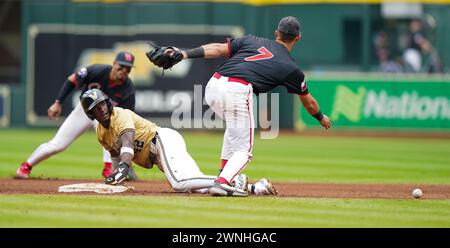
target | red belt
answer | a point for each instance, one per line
(232, 79)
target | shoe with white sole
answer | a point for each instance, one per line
(264, 187)
(222, 189)
(240, 182)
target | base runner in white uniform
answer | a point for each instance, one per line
(131, 138)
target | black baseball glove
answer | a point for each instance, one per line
(163, 57)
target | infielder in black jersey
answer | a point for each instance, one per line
(113, 80)
(254, 65)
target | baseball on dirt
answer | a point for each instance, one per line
(417, 193)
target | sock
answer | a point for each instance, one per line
(107, 165)
(224, 162)
(27, 164)
(222, 180)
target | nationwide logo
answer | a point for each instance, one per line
(380, 104)
(143, 74)
(348, 103)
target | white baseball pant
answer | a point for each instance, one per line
(179, 167)
(232, 100)
(75, 124)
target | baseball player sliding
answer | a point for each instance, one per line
(255, 65)
(114, 81)
(131, 138)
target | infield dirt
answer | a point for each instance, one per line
(309, 190)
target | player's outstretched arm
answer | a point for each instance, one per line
(311, 105)
(208, 51)
(127, 151)
(126, 155)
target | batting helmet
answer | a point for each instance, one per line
(91, 98)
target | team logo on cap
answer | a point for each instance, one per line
(128, 57)
(93, 95)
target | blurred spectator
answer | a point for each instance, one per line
(420, 55)
(387, 64)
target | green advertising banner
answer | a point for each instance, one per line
(381, 104)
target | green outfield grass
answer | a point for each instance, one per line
(287, 158)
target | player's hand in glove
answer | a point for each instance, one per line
(164, 57)
(119, 174)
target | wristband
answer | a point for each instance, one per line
(198, 52)
(127, 150)
(318, 116)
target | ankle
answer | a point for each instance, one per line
(222, 180)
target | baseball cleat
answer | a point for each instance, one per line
(264, 187)
(241, 182)
(222, 189)
(24, 171)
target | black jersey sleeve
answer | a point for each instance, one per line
(235, 44)
(296, 83)
(83, 75)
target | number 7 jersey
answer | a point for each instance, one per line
(123, 120)
(264, 63)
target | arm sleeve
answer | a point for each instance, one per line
(235, 44)
(68, 86)
(296, 83)
(83, 75)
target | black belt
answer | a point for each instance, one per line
(154, 138)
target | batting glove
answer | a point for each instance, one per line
(119, 174)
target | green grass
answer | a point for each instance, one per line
(181, 211)
(287, 158)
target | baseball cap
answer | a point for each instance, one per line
(289, 25)
(125, 58)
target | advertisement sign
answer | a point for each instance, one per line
(56, 50)
(382, 104)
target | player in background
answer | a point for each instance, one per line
(129, 137)
(254, 65)
(114, 81)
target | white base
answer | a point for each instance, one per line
(100, 188)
